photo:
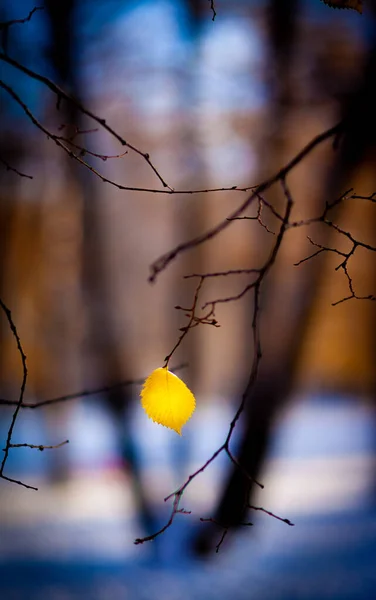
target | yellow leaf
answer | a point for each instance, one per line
(167, 400)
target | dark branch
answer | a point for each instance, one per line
(160, 265)
(212, 8)
(83, 393)
(40, 447)
(14, 331)
(13, 169)
(7, 24)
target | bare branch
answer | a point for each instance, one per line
(84, 393)
(61, 95)
(7, 24)
(18, 482)
(175, 511)
(14, 331)
(161, 263)
(225, 528)
(66, 144)
(258, 216)
(261, 272)
(222, 273)
(344, 264)
(194, 320)
(13, 169)
(267, 512)
(224, 532)
(225, 447)
(40, 447)
(212, 8)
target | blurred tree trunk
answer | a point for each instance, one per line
(110, 364)
(269, 390)
(191, 141)
(280, 362)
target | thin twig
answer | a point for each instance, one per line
(212, 8)
(268, 512)
(83, 393)
(225, 528)
(7, 24)
(40, 447)
(14, 170)
(14, 331)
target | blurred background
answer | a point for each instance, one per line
(215, 104)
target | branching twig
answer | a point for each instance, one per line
(14, 331)
(163, 261)
(61, 95)
(225, 447)
(225, 528)
(344, 264)
(255, 285)
(82, 151)
(175, 511)
(258, 216)
(194, 320)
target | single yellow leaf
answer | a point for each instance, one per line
(167, 400)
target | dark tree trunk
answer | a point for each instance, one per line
(102, 335)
